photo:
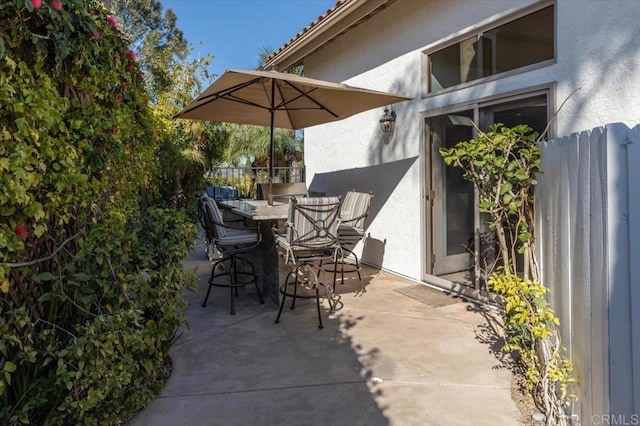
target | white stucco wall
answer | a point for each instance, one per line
(597, 51)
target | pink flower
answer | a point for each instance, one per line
(56, 5)
(118, 98)
(96, 36)
(111, 21)
(36, 4)
(21, 232)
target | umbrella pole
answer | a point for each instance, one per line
(270, 195)
(271, 145)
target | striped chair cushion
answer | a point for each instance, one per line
(215, 217)
(314, 222)
(348, 232)
(238, 237)
(355, 205)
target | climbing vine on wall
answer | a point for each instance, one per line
(90, 283)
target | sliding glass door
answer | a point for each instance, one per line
(455, 229)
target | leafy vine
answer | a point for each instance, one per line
(503, 163)
(91, 282)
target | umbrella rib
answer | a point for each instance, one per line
(222, 94)
(283, 104)
(306, 95)
(278, 107)
(246, 102)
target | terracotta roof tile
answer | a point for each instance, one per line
(306, 29)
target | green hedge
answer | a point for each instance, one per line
(90, 281)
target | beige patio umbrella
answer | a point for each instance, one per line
(287, 101)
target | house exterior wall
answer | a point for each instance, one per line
(385, 53)
(597, 57)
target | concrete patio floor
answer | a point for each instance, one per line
(399, 354)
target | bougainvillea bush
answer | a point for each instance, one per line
(90, 282)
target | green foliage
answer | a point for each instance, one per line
(502, 164)
(113, 311)
(90, 282)
(245, 185)
(255, 141)
(530, 330)
(159, 44)
(172, 80)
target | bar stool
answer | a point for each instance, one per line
(232, 243)
(307, 239)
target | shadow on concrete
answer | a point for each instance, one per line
(244, 369)
(382, 358)
(489, 332)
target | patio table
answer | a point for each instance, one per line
(270, 267)
(258, 210)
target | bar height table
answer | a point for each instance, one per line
(271, 268)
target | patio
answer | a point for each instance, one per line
(401, 354)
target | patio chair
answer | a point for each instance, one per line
(231, 243)
(353, 214)
(207, 226)
(309, 237)
(209, 236)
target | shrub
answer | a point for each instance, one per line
(90, 283)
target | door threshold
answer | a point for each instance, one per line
(460, 284)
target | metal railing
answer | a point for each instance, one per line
(242, 182)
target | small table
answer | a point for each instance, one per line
(269, 266)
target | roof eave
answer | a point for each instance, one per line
(342, 18)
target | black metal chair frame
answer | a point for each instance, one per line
(305, 252)
(230, 254)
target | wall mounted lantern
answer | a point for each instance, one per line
(388, 120)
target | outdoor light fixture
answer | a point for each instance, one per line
(388, 120)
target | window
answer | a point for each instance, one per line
(525, 41)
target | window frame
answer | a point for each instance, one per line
(476, 31)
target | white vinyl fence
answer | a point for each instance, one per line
(588, 240)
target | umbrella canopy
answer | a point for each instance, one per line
(287, 101)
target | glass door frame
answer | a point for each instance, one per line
(444, 219)
(426, 182)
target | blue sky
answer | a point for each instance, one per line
(233, 31)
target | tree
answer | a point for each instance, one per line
(187, 148)
(254, 141)
(502, 164)
(156, 39)
(265, 52)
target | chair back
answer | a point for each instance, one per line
(211, 219)
(355, 208)
(313, 222)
